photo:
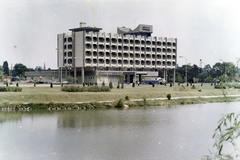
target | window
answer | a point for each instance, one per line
(114, 54)
(119, 54)
(88, 46)
(101, 54)
(119, 47)
(88, 53)
(101, 46)
(69, 61)
(114, 40)
(94, 39)
(137, 42)
(125, 41)
(114, 47)
(101, 39)
(94, 53)
(119, 40)
(125, 62)
(114, 61)
(69, 54)
(88, 60)
(137, 62)
(69, 39)
(88, 39)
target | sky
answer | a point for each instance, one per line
(206, 29)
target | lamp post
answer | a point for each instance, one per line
(185, 68)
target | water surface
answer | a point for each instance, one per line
(156, 133)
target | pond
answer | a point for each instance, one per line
(153, 133)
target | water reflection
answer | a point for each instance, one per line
(181, 132)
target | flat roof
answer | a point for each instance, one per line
(94, 29)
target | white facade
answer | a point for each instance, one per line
(86, 48)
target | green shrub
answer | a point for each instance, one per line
(193, 87)
(122, 86)
(144, 101)
(169, 96)
(3, 89)
(110, 85)
(219, 86)
(126, 98)
(10, 89)
(236, 86)
(103, 83)
(85, 89)
(119, 103)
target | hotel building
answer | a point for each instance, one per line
(92, 56)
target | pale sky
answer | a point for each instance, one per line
(205, 29)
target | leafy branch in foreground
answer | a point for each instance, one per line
(226, 135)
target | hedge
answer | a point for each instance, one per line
(85, 89)
(10, 89)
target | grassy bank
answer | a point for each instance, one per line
(41, 97)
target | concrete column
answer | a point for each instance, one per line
(66, 73)
(83, 77)
(174, 76)
(75, 75)
(166, 78)
(164, 74)
(128, 78)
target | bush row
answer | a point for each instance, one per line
(219, 86)
(86, 89)
(10, 89)
(222, 86)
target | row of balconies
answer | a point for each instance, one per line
(136, 57)
(90, 62)
(121, 47)
(125, 61)
(119, 36)
(129, 41)
(126, 54)
(131, 50)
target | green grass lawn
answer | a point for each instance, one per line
(45, 94)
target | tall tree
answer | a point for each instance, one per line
(5, 68)
(19, 69)
(1, 73)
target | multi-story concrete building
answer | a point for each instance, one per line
(92, 56)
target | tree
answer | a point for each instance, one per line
(1, 73)
(38, 68)
(5, 68)
(226, 136)
(19, 70)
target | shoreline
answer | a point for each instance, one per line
(44, 97)
(134, 103)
